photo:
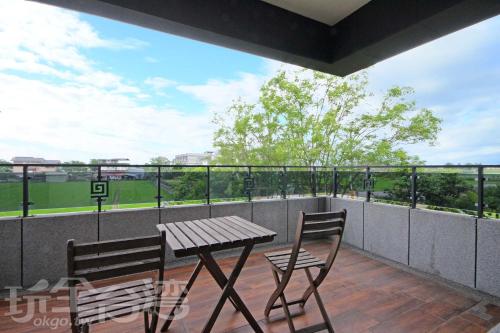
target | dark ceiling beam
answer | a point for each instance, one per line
(384, 28)
(378, 30)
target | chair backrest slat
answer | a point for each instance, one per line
(115, 245)
(115, 258)
(327, 224)
(309, 217)
(118, 270)
(321, 233)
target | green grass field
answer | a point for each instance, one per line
(74, 196)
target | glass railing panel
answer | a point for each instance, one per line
(130, 187)
(391, 185)
(183, 185)
(451, 189)
(228, 184)
(268, 183)
(61, 189)
(351, 183)
(324, 181)
(11, 191)
(492, 193)
(299, 182)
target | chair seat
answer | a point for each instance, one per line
(98, 305)
(280, 260)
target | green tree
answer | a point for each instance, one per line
(159, 160)
(446, 191)
(72, 168)
(5, 169)
(308, 117)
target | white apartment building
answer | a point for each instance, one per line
(194, 158)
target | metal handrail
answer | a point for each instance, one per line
(368, 171)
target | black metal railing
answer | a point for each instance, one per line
(27, 189)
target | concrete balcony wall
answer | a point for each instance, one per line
(443, 244)
(272, 215)
(241, 209)
(488, 256)
(45, 240)
(184, 213)
(308, 205)
(10, 250)
(128, 223)
(354, 232)
(435, 242)
(386, 231)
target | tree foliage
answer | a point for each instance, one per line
(159, 160)
(312, 118)
(5, 168)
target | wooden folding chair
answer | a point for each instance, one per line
(110, 259)
(283, 263)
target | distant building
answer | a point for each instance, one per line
(50, 165)
(195, 158)
(118, 168)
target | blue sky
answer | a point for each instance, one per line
(100, 88)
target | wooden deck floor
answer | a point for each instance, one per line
(361, 294)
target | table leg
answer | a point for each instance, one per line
(228, 290)
(183, 295)
(218, 275)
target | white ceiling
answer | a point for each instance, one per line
(325, 11)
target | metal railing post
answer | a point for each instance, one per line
(207, 193)
(249, 190)
(158, 194)
(284, 183)
(368, 184)
(414, 187)
(480, 192)
(313, 181)
(335, 182)
(99, 199)
(26, 193)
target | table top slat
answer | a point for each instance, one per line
(193, 237)
(217, 236)
(251, 227)
(201, 233)
(221, 223)
(267, 232)
(210, 223)
(248, 233)
(174, 244)
(183, 239)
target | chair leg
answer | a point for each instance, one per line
(274, 296)
(284, 304)
(321, 306)
(146, 322)
(154, 320)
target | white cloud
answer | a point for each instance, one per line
(151, 60)
(88, 112)
(77, 121)
(217, 95)
(457, 77)
(159, 83)
(38, 36)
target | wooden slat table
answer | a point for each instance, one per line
(201, 238)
